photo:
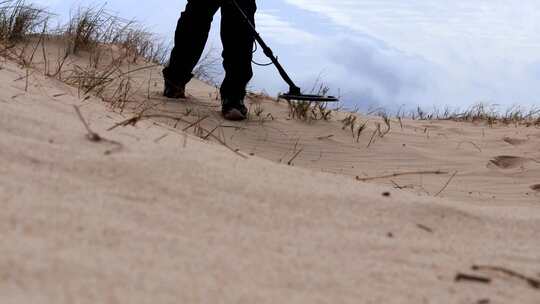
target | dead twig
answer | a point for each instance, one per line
(138, 117)
(325, 137)
(294, 157)
(130, 121)
(472, 278)
(195, 123)
(469, 142)
(91, 135)
(425, 228)
(447, 183)
(373, 136)
(436, 172)
(160, 138)
(396, 185)
(211, 132)
(534, 283)
(94, 137)
(400, 187)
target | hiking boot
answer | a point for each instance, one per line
(234, 110)
(174, 90)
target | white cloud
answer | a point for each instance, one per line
(443, 28)
(272, 26)
(468, 50)
(387, 51)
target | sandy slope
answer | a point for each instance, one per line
(416, 146)
(176, 219)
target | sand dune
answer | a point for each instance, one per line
(495, 166)
(152, 214)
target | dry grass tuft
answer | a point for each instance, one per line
(208, 68)
(357, 128)
(91, 27)
(312, 111)
(18, 20)
(87, 27)
(488, 114)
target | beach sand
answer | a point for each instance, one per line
(271, 210)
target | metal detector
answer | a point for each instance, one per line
(295, 93)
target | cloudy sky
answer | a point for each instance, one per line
(387, 52)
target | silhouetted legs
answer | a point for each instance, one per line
(237, 39)
(191, 36)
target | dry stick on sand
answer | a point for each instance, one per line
(425, 228)
(469, 142)
(473, 278)
(160, 138)
(396, 185)
(211, 132)
(400, 187)
(373, 136)
(447, 183)
(296, 144)
(534, 283)
(138, 117)
(94, 137)
(325, 137)
(91, 135)
(195, 123)
(294, 157)
(436, 172)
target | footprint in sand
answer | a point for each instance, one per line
(536, 187)
(508, 162)
(515, 141)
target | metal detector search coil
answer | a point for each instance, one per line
(295, 93)
(305, 97)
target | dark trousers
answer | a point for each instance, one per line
(191, 36)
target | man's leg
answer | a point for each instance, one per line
(238, 42)
(189, 41)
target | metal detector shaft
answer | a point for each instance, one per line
(293, 88)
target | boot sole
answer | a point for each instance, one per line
(175, 96)
(234, 115)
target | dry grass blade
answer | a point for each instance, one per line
(140, 116)
(91, 135)
(208, 68)
(447, 184)
(486, 113)
(86, 28)
(469, 142)
(19, 19)
(434, 172)
(534, 283)
(425, 228)
(325, 137)
(294, 157)
(211, 132)
(198, 121)
(472, 278)
(130, 121)
(377, 130)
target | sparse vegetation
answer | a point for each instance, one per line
(113, 46)
(312, 111)
(352, 123)
(86, 28)
(90, 27)
(309, 111)
(256, 112)
(19, 19)
(486, 113)
(208, 68)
